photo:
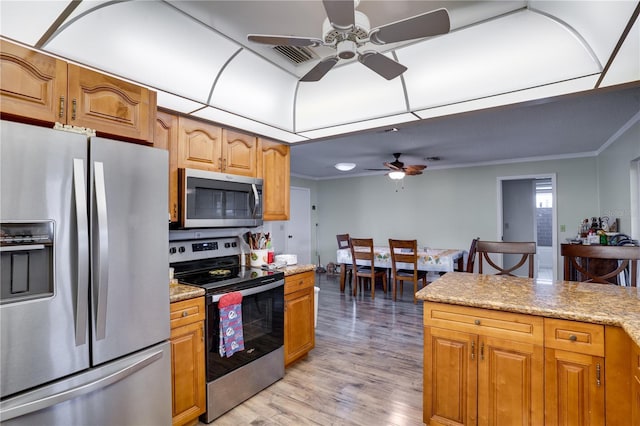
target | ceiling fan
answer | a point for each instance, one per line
(397, 169)
(347, 31)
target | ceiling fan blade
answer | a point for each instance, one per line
(392, 166)
(416, 167)
(284, 40)
(377, 62)
(412, 172)
(340, 12)
(425, 25)
(320, 69)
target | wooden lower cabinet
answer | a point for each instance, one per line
(491, 367)
(187, 360)
(635, 385)
(299, 330)
(481, 380)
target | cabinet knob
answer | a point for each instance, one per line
(184, 313)
(573, 337)
(477, 322)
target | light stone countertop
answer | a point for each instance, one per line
(297, 269)
(587, 302)
(179, 292)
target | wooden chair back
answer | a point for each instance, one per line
(486, 248)
(343, 241)
(404, 251)
(362, 249)
(600, 264)
(471, 259)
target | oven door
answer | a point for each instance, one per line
(262, 323)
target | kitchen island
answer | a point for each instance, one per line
(510, 350)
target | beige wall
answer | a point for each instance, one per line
(447, 208)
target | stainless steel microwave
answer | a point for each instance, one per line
(211, 199)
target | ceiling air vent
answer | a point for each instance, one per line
(295, 54)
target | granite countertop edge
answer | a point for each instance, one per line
(586, 302)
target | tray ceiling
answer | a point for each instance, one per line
(197, 56)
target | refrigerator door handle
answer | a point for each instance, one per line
(101, 284)
(26, 406)
(82, 279)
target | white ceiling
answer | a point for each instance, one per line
(196, 55)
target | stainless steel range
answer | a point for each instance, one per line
(214, 264)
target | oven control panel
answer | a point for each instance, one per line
(181, 251)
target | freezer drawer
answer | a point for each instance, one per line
(135, 390)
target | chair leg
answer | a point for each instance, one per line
(373, 286)
(384, 283)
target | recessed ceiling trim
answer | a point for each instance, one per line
(42, 43)
(574, 32)
(357, 126)
(403, 83)
(222, 68)
(616, 49)
(56, 24)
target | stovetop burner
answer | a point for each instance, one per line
(220, 275)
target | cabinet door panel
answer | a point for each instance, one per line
(166, 137)
(573, 394)
(188, 383)
(298, 325)
(109, 105)
(450, 380)
(32, 85)
(199, 145)
(510, 383)
(240, 153)
(274, 169)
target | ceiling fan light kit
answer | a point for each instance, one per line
(345, 167)
(396, 175)
(346, 30)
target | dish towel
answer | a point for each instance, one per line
(231, 338)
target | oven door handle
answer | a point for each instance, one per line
(266, 286)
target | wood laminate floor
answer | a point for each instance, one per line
(366, 368)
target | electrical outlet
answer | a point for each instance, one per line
(563, 228)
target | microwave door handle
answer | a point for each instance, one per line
(82, 234)
(102, 281)
(256, 198)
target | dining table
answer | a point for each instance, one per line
(429, 259)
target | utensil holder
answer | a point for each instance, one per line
(259, 258)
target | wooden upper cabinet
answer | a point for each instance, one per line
(274, 169)
(166, 137)
(239, 153)
(32, 84)
(199, 145)
(110, 105)
(42, 89)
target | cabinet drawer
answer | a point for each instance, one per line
(574, 336)
(293, 283)
(186, 312)
(486, 322)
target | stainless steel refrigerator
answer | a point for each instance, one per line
(84, 308)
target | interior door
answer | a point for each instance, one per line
(130, 253)
(298, 228)
(518, 217)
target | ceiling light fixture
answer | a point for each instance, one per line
(397, 175)
(345, 167)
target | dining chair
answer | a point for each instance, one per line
(405, 252)
(601, 264)
(362, 249)
(471, 258)
(346, 270)
(486, 249)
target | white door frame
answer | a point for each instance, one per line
(554, 212)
